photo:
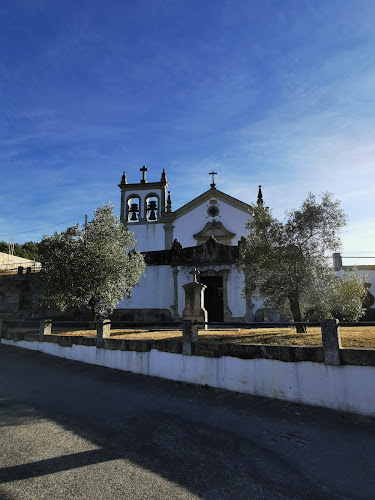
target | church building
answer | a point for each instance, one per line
(205, 233)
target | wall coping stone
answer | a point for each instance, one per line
(209, 349)
(358, 357)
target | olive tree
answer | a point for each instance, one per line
(285, 263)
(92, 266)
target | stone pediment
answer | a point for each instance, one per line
(211, 251)
(216, 229)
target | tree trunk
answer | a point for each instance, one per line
(92, 325)
(309, 314)
(296, 313)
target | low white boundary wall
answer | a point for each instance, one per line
(345, 388)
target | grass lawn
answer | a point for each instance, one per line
(351, 337)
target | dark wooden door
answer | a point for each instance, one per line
(213, 297)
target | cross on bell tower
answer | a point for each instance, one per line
(213, 185)
(143, 170)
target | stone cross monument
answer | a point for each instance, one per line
(194, 300)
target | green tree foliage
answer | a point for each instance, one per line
(30, 250)
(4, 248)
(285, 263)
(92, 266)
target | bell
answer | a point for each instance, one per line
(151, 208)
(134, 212)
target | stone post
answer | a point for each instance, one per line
(331, 341)
(189, 335)
(45, 328)
(175, 272)
(103, 330)
(3, 328)
(168, 229)
(194, 303)
(337, 261)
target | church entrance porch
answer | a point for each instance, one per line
(213, 297)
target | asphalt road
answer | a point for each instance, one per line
(70, 430)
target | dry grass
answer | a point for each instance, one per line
(351, 337)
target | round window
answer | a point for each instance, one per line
(213, 211)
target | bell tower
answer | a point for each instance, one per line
(144, 208)
(143, 202)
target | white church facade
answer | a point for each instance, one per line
(205, 233)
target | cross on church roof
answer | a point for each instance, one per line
(213, 178)
(143, 170)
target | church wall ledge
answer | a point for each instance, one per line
(209, 252)
(143, 187)
(252, 351)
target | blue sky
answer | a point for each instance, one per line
(278, 93)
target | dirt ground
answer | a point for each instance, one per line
(351, 337)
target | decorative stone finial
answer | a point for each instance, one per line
(169, 202)
(123, 179)
(143, 170)
(213, 185)
(176, 251)
(260, 196)
(194, 272)
(163, 177)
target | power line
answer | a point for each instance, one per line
(41, 228)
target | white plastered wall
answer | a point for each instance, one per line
(233, 219)
(155, 290)
(236, 301)
(149, 236)
(344, 388)
(7, 260)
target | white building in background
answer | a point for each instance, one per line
(205, 233)
(11, 263)
(363, 265)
